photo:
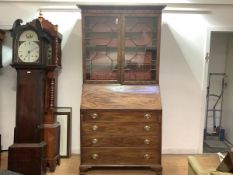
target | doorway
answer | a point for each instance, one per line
(218, 132)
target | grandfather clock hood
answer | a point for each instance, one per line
(35, 24)
(45, 35)
(40, 23)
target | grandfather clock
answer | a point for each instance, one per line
(36, 57)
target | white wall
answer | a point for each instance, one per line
(181, 78)
(218, 52)
(183, 75)
(7, 94)
(7, 105)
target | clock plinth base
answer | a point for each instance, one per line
(27, 158)
(52, 163)
(52, 138)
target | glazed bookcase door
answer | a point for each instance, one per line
(101, 38)
(140, 57)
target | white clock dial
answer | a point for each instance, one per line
(28, 35)
(28, 51)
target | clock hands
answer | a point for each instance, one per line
(32, 50)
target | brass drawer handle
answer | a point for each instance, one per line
(94, 127)
(147, 141)
(147, 128)
(147, 116)
(94, 141)
(94, 156)
(146, 156)
(94, 115)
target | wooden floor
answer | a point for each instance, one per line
(172, 165)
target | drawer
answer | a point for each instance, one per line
(120, 156)
(121, 141)
(106, 128)
(121, 116)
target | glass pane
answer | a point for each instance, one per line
(101, 48)
(140, 49)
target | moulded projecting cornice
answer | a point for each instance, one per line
(58, 9)
(139, 2)
(166, 10)
(6, 27)
(172, 6)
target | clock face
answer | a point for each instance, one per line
(28, 49)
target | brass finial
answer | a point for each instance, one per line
(40, 16)
(56, 27)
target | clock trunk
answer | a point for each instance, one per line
(27, 154)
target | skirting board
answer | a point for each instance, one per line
(181, 151)
(75, 151)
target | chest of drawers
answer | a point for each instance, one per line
(120, 127)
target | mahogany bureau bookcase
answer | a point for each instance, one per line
(121, 113)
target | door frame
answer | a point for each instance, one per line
(210, 30)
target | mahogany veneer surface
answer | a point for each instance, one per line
(121, 97)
